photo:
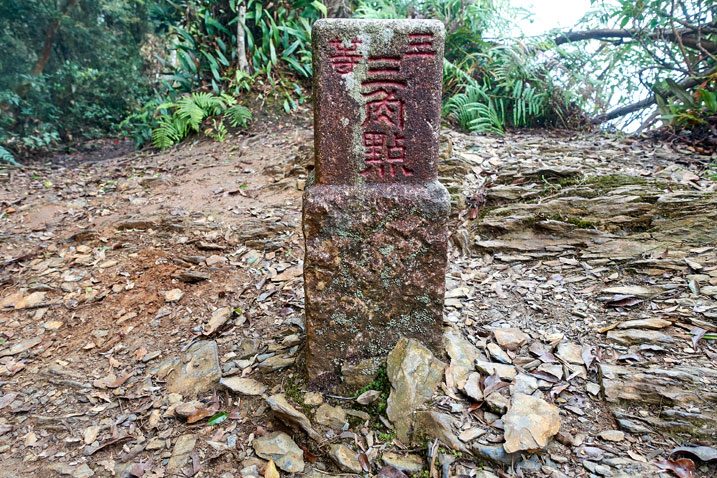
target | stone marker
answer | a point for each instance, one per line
(375, 219)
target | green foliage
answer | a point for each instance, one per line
(177, 119)
(93, 76)
(278, 43)
(238, 116)
(7, 157)
(686, 109)
(203, 42)
(664, 44)
(510, 90)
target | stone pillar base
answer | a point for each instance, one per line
(374, 272)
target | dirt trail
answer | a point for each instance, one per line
(115, 272)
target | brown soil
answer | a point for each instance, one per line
(105, 240)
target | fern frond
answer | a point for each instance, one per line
(238, 115)
(191, 110)
(7, 156)
(166, 134)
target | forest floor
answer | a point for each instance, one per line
(124, 279)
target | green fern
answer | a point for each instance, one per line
(7, 156)
(217, 132)
(180, 118)
(190, 110)
(238, 115)
(166, 134)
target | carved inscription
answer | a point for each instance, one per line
(378, 88)
(383, 128)
(344, 58)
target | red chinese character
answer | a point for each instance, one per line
(421, 45)
(383, 66)
(344, 58)
(387, 108)
(380, 155)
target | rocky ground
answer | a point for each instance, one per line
(151, 318)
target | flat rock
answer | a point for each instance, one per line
(472, 387)
(290, 415)
(83, 471)
(498, 354)
(675, 389)
(570, 352)
(277, 362)
(639, 336)
(405, 462)
(506, 372)
(612, 435)
(173, 295)
(653, 324)
(440, 426)
(245, 386)
(313, 398)
(332, 417)
(495, 454)
(345, 458)
(497, 402)
(471, 434)
(197, 371)
(180, 453)
(219, 317)
(529, 423)
(279, 446)
(19, 347)
(523, 383)
(511, 338)
(31, 300)
(462, 353)
(414, 374)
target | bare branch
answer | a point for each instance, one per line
(687, 37)
(650, 100)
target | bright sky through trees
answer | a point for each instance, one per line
(548, 14)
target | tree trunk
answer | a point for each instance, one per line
(241, 39)
(337, 8)
(50, 38)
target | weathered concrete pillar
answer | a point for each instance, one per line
(375, 220)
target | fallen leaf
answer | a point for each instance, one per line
(587, 355)
(199, 415)
(636, 456)
(703, 453)
(623, 301)
(308, 456)
(105, 443)
(368, 397)
(548, 377)
(493, 383)
(139, 469)
(119, 381)
(218, 418)
(270, 470)
(389, 471)
(684, 467)
(363, 460)
(697, 334)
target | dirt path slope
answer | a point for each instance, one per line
(130, 286)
